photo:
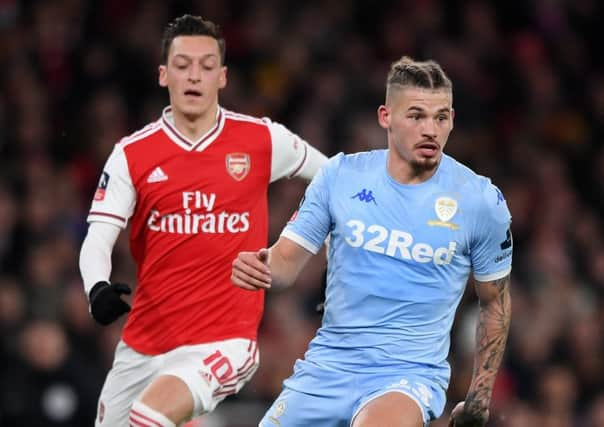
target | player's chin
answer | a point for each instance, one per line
(193, 108)
(426, 162)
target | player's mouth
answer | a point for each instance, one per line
(428, 149)
(192, 94)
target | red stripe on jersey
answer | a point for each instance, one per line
(107, 214)
(301, 163)
(149, 421)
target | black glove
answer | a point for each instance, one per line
(105, 302)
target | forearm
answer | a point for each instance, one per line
(285, 261)
(95, 255)
(491, 336)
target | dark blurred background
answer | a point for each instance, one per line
(76, 76)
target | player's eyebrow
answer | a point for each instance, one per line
(423, 110)
(189, 57)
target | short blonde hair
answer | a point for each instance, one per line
(409, 73)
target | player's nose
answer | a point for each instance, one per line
(429, 128)
(194, 74)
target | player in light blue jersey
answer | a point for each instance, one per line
(408, 225)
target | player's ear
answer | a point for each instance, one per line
(163, 76)
(452, 117)
(383, 114)
(222, 80)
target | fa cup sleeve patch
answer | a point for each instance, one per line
(99, 195)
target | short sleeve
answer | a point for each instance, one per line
(290, 152)
(311, 224)
(492, 243)
(115, 196)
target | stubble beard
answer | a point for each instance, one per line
(424, 165)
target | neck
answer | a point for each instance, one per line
(195, 126)
(405, 172)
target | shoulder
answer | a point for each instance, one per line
(361, 161)
(244, 119)
(143, 134)
(346, 167)
(486, 197)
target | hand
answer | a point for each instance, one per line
(250, 270)
(105, 302)
(461, 417)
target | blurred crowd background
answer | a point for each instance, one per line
(76, 76)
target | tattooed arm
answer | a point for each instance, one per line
(491, 335)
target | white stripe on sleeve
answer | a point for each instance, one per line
(292, 156)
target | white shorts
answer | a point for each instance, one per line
(212, 371)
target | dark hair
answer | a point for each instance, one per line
(189, 25)
(409, 73)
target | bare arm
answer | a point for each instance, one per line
(491, 336)
(278, 266)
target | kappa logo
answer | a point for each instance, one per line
(500, 198)
(445, 208)
(157, 175)
(507, 243)
(238, 165)
(365, 196)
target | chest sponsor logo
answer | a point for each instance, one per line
(238, 165)
(198, 215)
(445, 208)
(396, 244)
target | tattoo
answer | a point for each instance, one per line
(491, 337)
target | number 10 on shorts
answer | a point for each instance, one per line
(220, 366)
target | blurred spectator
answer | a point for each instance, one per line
(47, 384)
(529, 99)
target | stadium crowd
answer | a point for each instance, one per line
(76, 76)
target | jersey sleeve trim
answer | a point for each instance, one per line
(106, 217)
(493, 276)
(299, 167)
(296, 238)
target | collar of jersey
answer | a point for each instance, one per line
(167, 121)
(421, 185)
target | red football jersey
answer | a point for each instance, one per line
(193, 206)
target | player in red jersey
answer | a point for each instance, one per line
(193, 185)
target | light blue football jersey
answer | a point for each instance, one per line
(399, 259)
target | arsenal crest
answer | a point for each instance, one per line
(238, 165)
